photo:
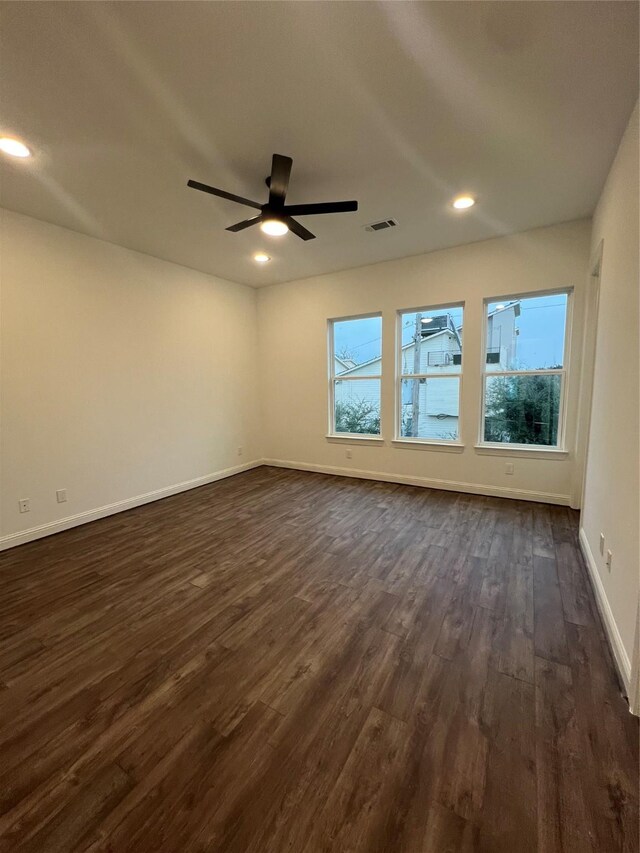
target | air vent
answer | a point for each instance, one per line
(381, 226)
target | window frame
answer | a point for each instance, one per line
(560, 448)
(400, 439)
(369, 437)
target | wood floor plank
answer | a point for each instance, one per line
(458, 618)
(494, 585)
(193, 790)
(509, 813)
(574, 590)
(550, 638)
(363, 789)
(543, 545)
(516, 655)
(564, 820)
(461, 788)
(446, 832)
(77, 819)
(606, 731)
(289, 661)
(403, 679)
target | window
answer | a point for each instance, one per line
(524, 370)
(429, 374)
(355, 372)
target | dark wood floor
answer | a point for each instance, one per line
(286, 661)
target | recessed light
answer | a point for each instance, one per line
(261, 258)
(427, 320)
(14, 147)
(274, 227)
(463, 202)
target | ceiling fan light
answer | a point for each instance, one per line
(463, 202)
(14, 147)
(274, 227)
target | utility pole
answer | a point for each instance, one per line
(415, 390)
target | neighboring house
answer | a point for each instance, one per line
(365, 390)
(440, 353)
(342, 364)
(435, 399)
(502, 337)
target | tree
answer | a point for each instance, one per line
(358, 416)
(345, 354)
(522, 409)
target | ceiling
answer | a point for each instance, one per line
(399, 105)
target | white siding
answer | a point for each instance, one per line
(436, 354)
(438, 398)
(364, 390)
(501, 336)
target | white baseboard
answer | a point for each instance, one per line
(23, 536)
(426, 482)
(620, 655)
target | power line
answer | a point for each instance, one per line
(539, 307)
(364, 344)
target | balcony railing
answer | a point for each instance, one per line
(443, 358)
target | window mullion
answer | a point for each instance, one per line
(355, 409)
(520, 412)
(433, 413)
(430, 375)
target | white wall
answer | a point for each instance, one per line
(121, 374)
(613, 464)
(293, 357)
(124, 376)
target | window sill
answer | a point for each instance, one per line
(348, 438)
(423, 444)
(518, 450)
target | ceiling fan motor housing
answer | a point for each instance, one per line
(275, 207)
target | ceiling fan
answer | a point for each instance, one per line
(276, 217)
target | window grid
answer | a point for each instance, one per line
(562, 372)
(455, 359)
(335, 379)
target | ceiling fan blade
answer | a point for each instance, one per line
(205, 188)
(323, 207)
(279, 182)
(298, 230)
(246, 223)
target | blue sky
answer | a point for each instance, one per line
(541, 324)
(361, 339)
(540, 343)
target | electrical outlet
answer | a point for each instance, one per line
(23, 503)
(609, 558)
(239, 451)
(61, 496)
(508, 467)
(349, 454)
(602, 543)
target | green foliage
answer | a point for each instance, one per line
(358, 416)
(522, 409)
(407, 421)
